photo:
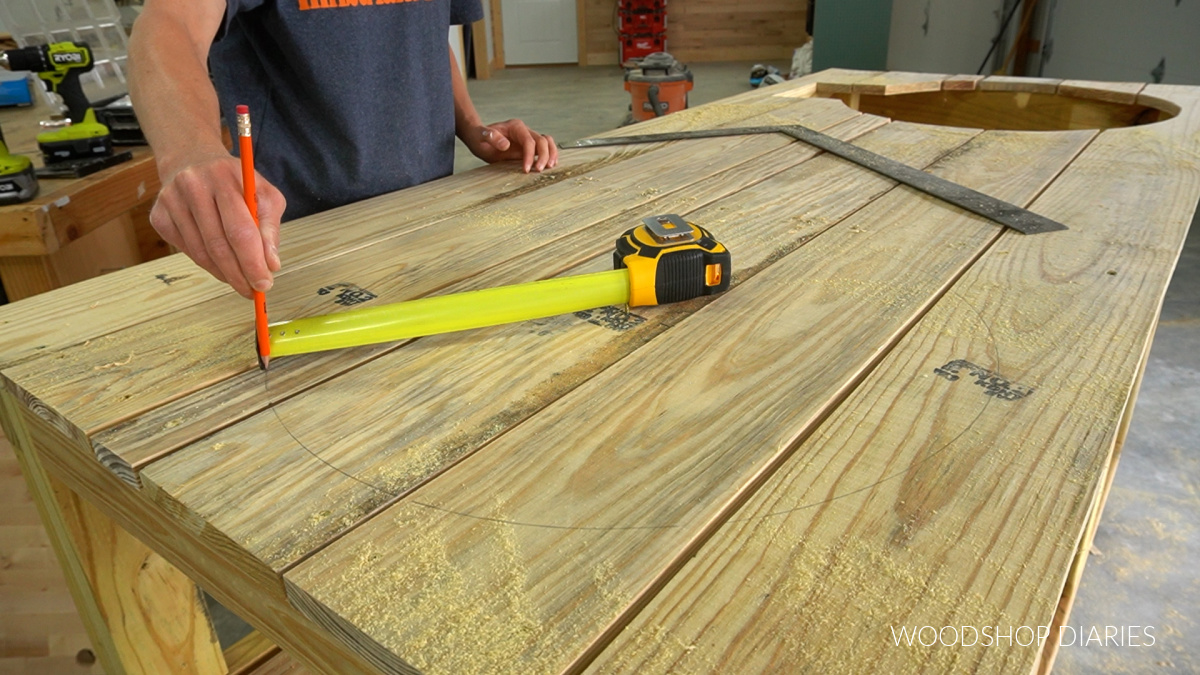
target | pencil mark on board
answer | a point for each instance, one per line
(613, 318)
(992, 382)
(348, 294)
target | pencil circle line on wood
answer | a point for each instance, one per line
(393, 496)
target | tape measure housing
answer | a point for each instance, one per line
(671, 260)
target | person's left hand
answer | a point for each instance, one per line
(512, 140)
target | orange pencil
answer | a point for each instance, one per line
(246, 150)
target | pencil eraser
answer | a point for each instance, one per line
(243, 110)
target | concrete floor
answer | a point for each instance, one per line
(1142, 568)
(570, 103)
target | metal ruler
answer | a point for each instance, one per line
(1009, 215)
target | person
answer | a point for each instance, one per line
(348, 98)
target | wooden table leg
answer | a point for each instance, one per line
(142, 614)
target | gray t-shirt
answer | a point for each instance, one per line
(348, 98)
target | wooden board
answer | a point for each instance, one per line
(891, 390)
(819, 534)
(1033, 85)
(635, 530)
(119, 586)
(40, 630)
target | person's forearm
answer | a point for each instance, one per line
(175, 101)
(466, 118)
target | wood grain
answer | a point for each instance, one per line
(432, 384)
(419, 262)
(961, 82)
(894, 83)
(236, 580)
(1034, 85)
(95, 307)
(141, 614)
(1114, 92)
(40, 630)
(188, 419)
(26, 275)
(610, 489)
(569, 538)
(923, 502)
(410, 264)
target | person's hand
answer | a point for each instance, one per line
(201, 211)
(512, 140)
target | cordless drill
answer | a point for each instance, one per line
(59, 66)
(17, 180)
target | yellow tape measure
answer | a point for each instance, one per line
(665, 259)
(671, 260)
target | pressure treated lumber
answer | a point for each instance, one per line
(394, 269)
(1033, 85)
(979, 520)
(430, 260)
(93, 308)
(431, 389)
(414, 504)
(616, 500)
(234, 601)
(182, 421)
(895, 82)
(961, 82)
(117, 583)
(236, 580)
(1115, 92)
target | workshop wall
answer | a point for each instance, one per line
(1113, 40)
(704, 30)
(1125, 41)
(941, 36)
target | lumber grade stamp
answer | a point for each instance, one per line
(899, 414)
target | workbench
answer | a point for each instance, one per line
(78, 228)
(900, 414)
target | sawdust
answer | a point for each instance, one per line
(115, 364)
(875, 588)
(455, 597)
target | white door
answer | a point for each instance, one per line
(539, 31)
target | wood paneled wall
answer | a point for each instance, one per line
(704, 30)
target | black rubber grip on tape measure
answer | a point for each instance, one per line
(681, 275)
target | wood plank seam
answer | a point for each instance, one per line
(294, 266)
(717, 564)
(769, 469)
(1062, 614)
(129, 472)
(141, 515)
(984, 234)
(743, 276)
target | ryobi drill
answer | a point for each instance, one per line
(59, 65)
(17, 180)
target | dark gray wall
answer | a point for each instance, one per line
(851, 34)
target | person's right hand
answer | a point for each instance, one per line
(202, 212)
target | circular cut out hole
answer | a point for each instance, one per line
(1014, 110)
